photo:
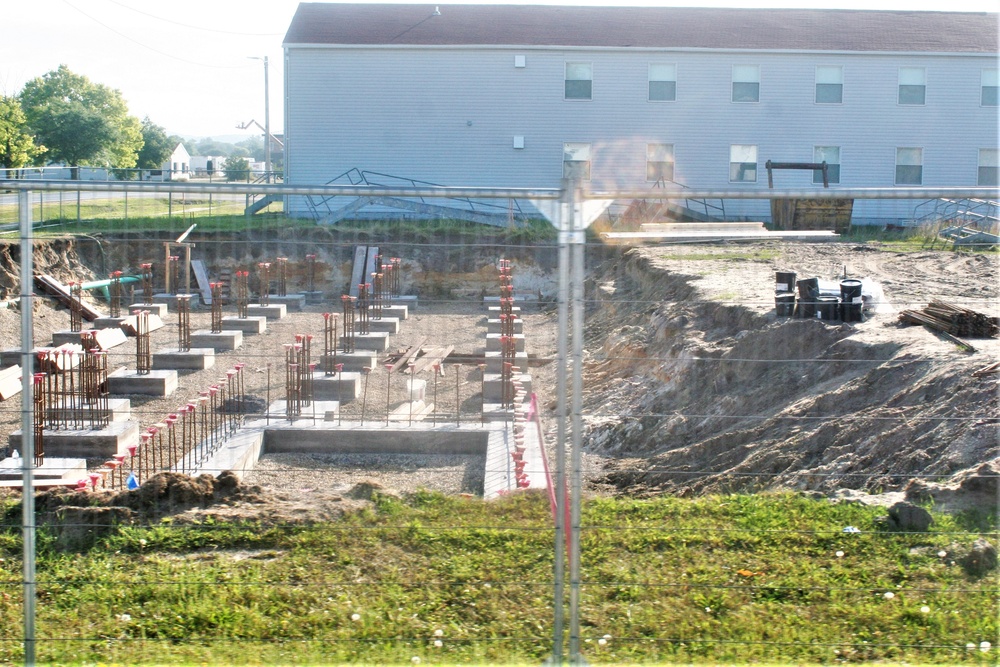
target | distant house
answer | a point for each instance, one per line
(632, 97)
(179, 165)
(206, 165)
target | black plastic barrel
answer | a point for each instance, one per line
(851, 303)
(784, 281)
(808, 289)
(828, 307)
(784, 304)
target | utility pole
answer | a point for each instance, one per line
(267, 125)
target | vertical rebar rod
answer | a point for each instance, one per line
(216, 306)
(242, 293)
(143, 358)
(282, 263)
(75, 307)
(115, 294)
(147, 283)
(183, 322)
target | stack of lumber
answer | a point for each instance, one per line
(954, 320)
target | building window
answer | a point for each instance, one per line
(912, 85)
(829, 84)
(989, 166)
(909, 166)
(579, 81)
(576, 161)
(830, 155)
(742, 163)
(991, 83)
(659, 162)
(662, 83)
(746, 83)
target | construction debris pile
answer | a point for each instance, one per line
(954, 320)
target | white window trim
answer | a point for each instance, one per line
(895, 164)
(578, 99)
(730, 163)
(648, 81)
(981, 86)
(733, 81)
(898, 84)
(590, 152)
(673, 161)
(840, 150)
(842, 87)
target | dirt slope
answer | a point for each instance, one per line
(693, 384)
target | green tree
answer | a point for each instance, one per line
(17, 146)
(156, 146)
(254, 147)
(236, 167)
(81, 122)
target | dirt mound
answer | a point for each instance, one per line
(695, 385)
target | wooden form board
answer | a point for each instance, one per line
(10, 382)
(49, 285)
(431, 356)
(201, 275)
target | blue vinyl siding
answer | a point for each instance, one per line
(448, 116)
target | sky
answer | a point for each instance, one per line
(189, 64)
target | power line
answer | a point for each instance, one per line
(196, 27)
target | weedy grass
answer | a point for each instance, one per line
(748, 255)
(738, 579)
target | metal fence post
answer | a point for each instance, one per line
(27, 427)
(559, 566)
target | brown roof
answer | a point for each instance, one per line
(656, 27)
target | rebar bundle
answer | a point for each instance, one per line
(115, 294)
(364, 303)
(349, 341)
(174, 272)
(311, 273)
(143, 356)
(38, 419)
(397, 274)
(378, 295)
(264, 273)
(329, 343)
(183, 322)
(282, 276)
(216, 307)
(147, 283)
(954, 320)
(75, 307)
(242, 293)
(93, 388)
(73, 395)
(293, 383)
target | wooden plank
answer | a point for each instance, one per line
(430, 358)
(201, 276)
(370, 264)
(409, 354)
(10, 371)
(49, 285)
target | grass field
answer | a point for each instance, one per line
(764, 579)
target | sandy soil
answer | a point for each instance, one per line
(692, 383)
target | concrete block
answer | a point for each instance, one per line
(105, 338)
(494, 361)
(197, 358)
(386, 324)
(408, 300)
(119, 409)
(248, 325)
(73, 337)
(315, 410)
(274, 311)
(493, 342)
(155, 383)
(222, 341)
(417, 389)
(158, 309)
(87, 443)
(494, 311)
(493, 325)
(291, 302)
(353, 361)
(10, 382)
(377, 341)
(342, 387)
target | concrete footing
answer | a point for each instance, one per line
(377, 341)
(494, 326)
(54, 471)
(220, 341)
(291, 302)
(196, 359)
(400, 312)
(158, 309)
(155, 383)
(105, 338)
(493, 342)
(386, 324)
(87, 443)
(342, 387)
(408, 300)
(119, 409)
(171, 300)
(493, 386)
(316, 296)
(353, 361)
(274, 311)
(248, 325)
(494, 361)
